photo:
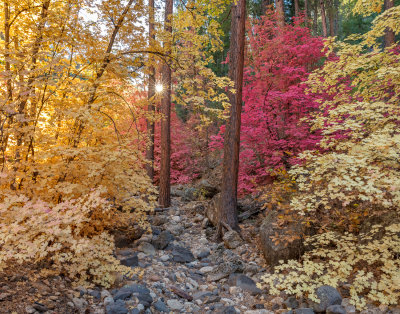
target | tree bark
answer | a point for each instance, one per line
(150, 96)
(315, 17)
(296, 8)
(165, 170)
(323, 18)
(306, 9)
(280, 9)
(331, 17)
(228, 214)
(7, 49)
(389, 36)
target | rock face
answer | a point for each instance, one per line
(212, 209)
(328, 296)
(283, 250)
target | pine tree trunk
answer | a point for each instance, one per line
(306, 9)
(389, 36)
(331, 16)
(323, 18)
(315, 17)
(228, 206)
(7, 49)
(296, 8)
(165, 164)
(280, 9)
(150, 96)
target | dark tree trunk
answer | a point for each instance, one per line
(315, 17)
(323, 18)
(150, 96)
(389, 36)
(228, 207)
(7, 49)
(280, 9)
(296, 8)
(306, 9)
(165, 170)
(331, 17)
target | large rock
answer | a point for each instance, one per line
(206, 189)
(147, 248)
(161, 241)
(124, 237)
(189, 194)
(181, 254)
(328, 296)
(245, 283)
(212, 209)
(284, 249)
(118, 307)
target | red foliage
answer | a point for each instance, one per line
(279, 59)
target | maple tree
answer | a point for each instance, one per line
(354, 172)
(278, 62)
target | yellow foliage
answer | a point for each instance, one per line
(355, 172)
(371, 267)
(70, 237)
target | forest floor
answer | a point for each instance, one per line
(183, 270)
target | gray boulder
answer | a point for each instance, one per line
(161, 241)
(181, 254)
(245, 283)
(118, 307)
(206, 189)
(328, 296)
(189, 194)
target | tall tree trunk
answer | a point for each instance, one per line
(150, 96)
(165, 170)
(389, 36)
(280, 9)
(323, 18)
(331, 17)
(7, 49)
(315, 17)
(296, 8)
(228, 205)
(306, 9)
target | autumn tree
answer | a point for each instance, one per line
(228, 203)
(323, 18)
(165, 166)
(280, 9)
(151, 95)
